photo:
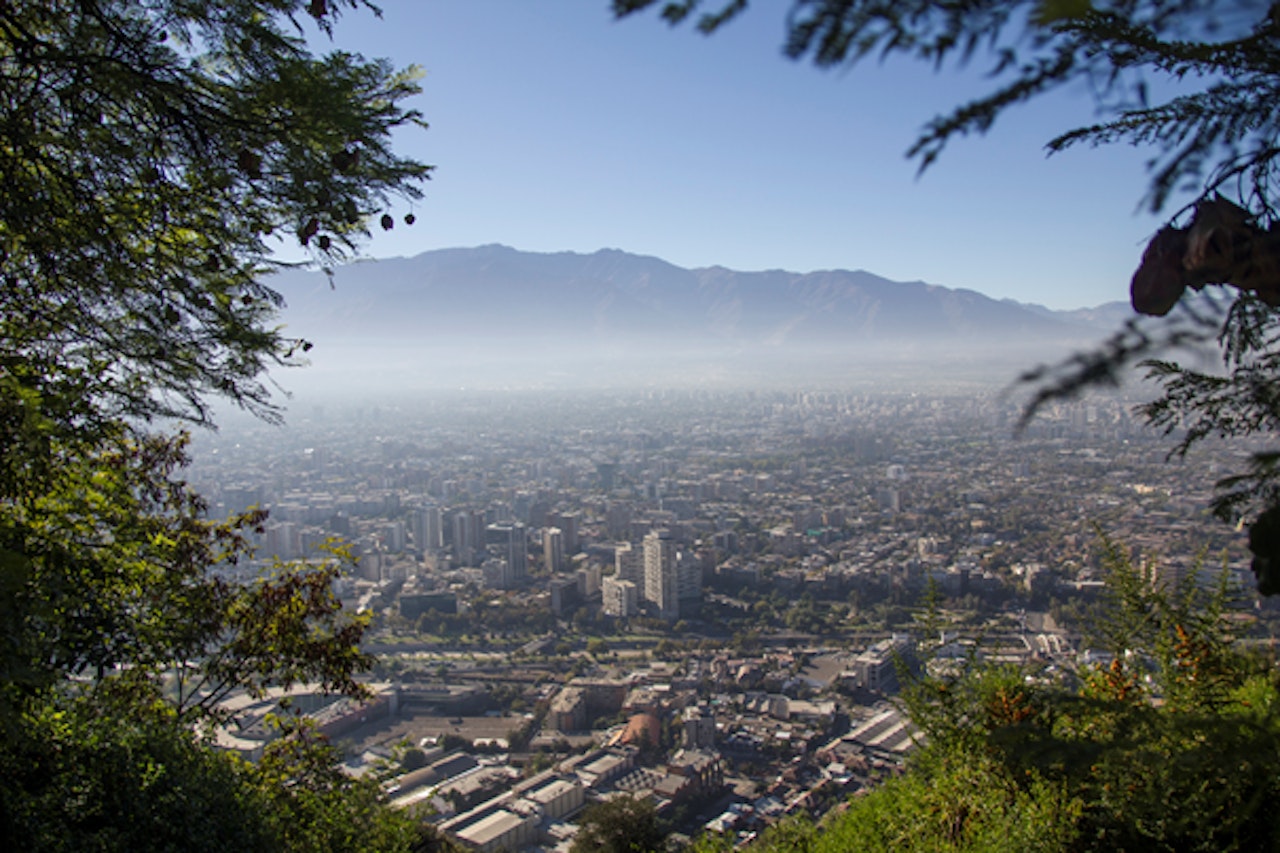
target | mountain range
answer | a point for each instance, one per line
(611, 314)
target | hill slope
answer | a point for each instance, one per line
(480, 313)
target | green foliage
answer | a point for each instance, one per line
(277, 632)
(106, 575)
(970, 805)
(312, 805)
(80, 779)
(149, 152)
(620, 825)
(155, 154)
(1170, 746)
(413, 758)
(1234, 403)
(114, 771)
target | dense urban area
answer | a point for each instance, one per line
(704, 599)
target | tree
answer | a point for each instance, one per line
(620, 825)
(413, 758)
(1193, 81)
(113, 771)
(151, 150)
(1018, 759)
(156, 154)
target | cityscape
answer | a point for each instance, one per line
(524, 428)
(706, 599)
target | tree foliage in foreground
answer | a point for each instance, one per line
(119, 772)
(623, 824)
(1195, 83)
(155, 153)
(1171, 744)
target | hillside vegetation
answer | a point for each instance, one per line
(1171, 745)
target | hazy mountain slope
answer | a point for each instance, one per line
(498, 291)
(495, 314)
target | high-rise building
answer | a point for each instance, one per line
(727, 541)
(628, 562)
(508, 541)
(392, 535)
(568, 524)
(521, 504)
(617, 518)
(427, 526)
(890, 500)
(620, 597)
(565, 596)
(606, 475)
(661, 580)
(467, 530)
(553, 548)
(339, 524)
(589, 578)
(497, 574)
(282, 539)
(370, 564)
(688, 585)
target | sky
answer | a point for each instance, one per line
(554, 127)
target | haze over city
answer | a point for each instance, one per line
(562, 132)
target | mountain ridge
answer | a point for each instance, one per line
(611, 315)
(615, 293)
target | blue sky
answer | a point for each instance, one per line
(554, 127)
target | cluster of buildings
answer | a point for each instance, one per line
(800, 513)
(657, 575)
(637, 505)
(730, 747)
(729, 760)
(537, 812)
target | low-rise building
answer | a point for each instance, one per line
(568, 711)
(620, 597)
